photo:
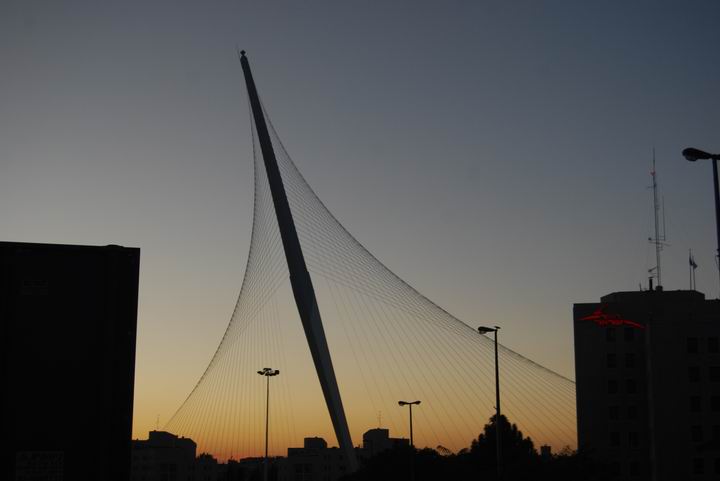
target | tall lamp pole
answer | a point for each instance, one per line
(692, 155)
(268, 373)
(412, 444)
(407, 403)
(498, 436)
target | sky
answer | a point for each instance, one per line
(495, 155)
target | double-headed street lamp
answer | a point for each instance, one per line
(692, 155)
(412, 445)
(410, 403)
(268, 373)
(498, 437)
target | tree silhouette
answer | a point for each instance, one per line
(516, 449)
(519, 458)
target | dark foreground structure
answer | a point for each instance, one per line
(647, 368)
(68, 316)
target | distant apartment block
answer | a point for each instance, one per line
(316, 462)
(167, 457)
(378, 440)
(313, 462)
(647, 367)
(68, 316)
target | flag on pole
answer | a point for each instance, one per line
(691, 259)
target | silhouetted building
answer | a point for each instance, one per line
(164, 457)
(252, 468)
(233, 471)
(546, 451)
(378, 440)
(313, 462)
(647, 367)
(68, 316)
(316, 462)
(208, 469)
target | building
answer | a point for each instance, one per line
(647, 368)
(316, 462)
(207, 468)
(378, 440)
(69, 317)
(167, 457)
(313, 462)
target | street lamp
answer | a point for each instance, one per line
(268, 373)
(692, 155)
(408, 403)
(498, 437)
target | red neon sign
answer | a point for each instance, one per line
(602, 318)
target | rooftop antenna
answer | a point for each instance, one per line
(658, 240)
(693, 266)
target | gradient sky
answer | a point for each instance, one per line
(496, 155)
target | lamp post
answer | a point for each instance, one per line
(498, 436)
(412, 444)
(692, 155)
(268, 373)
(407, 403)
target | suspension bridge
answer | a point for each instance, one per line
(349, 339)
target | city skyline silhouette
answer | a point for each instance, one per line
(496, 158)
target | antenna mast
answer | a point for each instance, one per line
(658, 240)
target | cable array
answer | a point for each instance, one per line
(388, 342)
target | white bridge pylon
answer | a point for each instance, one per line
(388, 342)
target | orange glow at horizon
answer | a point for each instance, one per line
(450, 371)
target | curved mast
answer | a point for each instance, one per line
(300, 280)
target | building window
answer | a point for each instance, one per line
(629, 334)
(611, 360)
(694, 374)
(695, 404)
(696, 434)
(713, 346)
(698, 466)
(631, 386)
(632, 412)
(612, 386)
(629, 359)
(614, 413)
(614, 439)
(692, 345)
(633, 468)
(716, 433)
(715, 403)
(633, 439)
(717, 465)
(610, 334)
(714, 373)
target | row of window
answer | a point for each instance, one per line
(695, 373)
(633, 439)
(612, 360)
(694, 345)
(697, 435)
(631, 387)
(696, 404)
(613, 386)
(698, 465)
(615, 413)
(700, 433)
(697, 432)
(628, 333)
